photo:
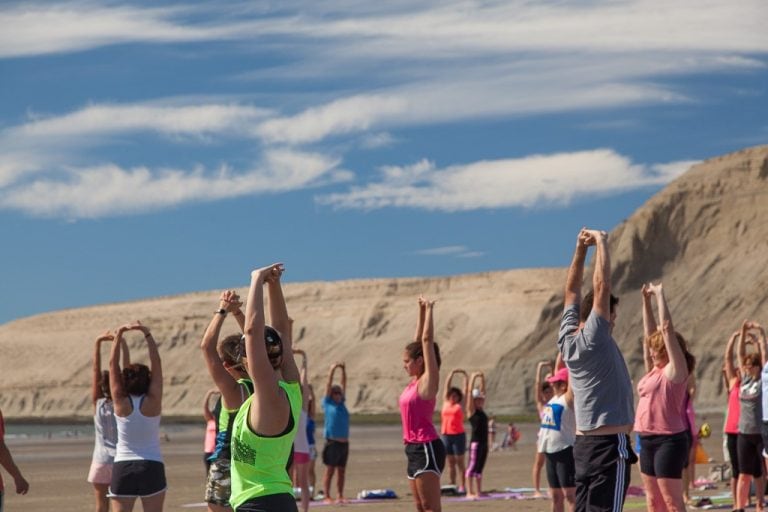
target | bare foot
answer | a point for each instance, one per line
(537, 494)
(342, 500)
(328, 500)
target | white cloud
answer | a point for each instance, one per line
(442, 251)
(110, 190)
(103, 119)
(377, 140)
(356, 113)
(445, 29)
(530, 182)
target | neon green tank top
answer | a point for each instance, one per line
(258, 463)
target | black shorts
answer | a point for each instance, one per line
(691, 446)
(137, 479)
(425, 458)
(561, 469)
(283, 502)
(602, 471)
(455, 444)
(478, 454)
(664, 455)
(335, 453)
(733, 453)
(750, 448)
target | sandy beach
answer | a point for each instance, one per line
(56, 469)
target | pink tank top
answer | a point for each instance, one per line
(734, 408)
(452, 417)
(416, 415)
(661, 409)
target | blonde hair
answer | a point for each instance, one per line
(656, 342)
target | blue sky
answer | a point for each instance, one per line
(151, 148)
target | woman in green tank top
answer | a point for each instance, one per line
(265, 425)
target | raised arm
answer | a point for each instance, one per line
(278, 315)
(96, 392)
(329, 382)
(304, 376)
(429, 382)
(539, 397)
(676, 370)
(741, 346)
(731, 375)
(448, 380)
(420, 320)
(649, 325)
(207, 414)
(480, 376)
(576, 270)
(116, 388)
(761, 347)
(152, 406)
(469, 404)
(343, 367)
(270, 409)
(231, 395)
(601, 279)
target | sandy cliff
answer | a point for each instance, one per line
(706, 235)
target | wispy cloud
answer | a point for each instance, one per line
(534, 181)
(456, 251)
(111, 190)
(448, 250)
(104, 119)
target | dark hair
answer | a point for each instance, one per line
(690, 359)
(415, 351)
(454, 390)
(752, 358)
(136, 379)
(274, 346)
(106, 392)
(588, 301)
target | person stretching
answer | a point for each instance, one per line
(750, 442)
(543, 392)
(452, 428)
(661, 419)
(225, 361)
(423, 448)
(300, 466)
(602, 389)
(104, 425)
(336, 433)
(731, 427)
(266, 424)
(478, 446)
(558, 432)
(137, 394)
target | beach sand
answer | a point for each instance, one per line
(56, 469)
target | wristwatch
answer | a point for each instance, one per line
(222, 312)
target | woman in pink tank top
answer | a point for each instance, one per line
(423, 448)
(660, 418)
(731, 427)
